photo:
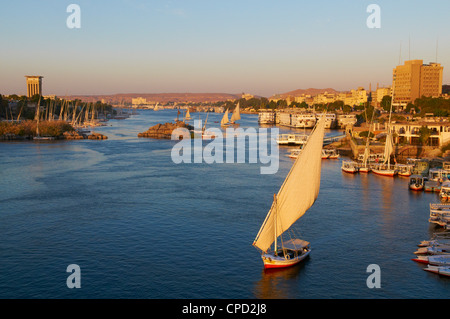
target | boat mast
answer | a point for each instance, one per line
(275, 224)
(389, 125)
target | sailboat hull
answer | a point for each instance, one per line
(385, 172)
(271, 261)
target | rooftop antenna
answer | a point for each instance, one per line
(437, 42)
(409, 47)
(400, 55)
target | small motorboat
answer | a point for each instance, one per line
(416, 182)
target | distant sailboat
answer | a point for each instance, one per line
(225, 121)
(188, 116)
(236, 115)
(297, 194)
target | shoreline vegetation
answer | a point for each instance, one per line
(23, 118)
(58, 130)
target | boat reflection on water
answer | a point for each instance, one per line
(273, 281)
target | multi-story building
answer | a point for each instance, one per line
(34, 85)
(415, 79)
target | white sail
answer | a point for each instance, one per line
(388, 148)
(236, 114)
(188, 115)
(225, 120)
(298, 192)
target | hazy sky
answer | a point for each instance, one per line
(254, 46)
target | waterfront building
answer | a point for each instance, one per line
(139, 101)
(34, 85)
(409, 132)
(415, 79)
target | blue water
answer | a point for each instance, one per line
(140, 226)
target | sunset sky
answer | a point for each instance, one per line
(253, 46)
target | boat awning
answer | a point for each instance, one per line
(295, 244)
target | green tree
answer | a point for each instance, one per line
(386, 103)
(424, 135)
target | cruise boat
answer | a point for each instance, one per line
(416, 182)
(440, 215)
(266, 117)
(303, 120)
(349, 167)
(292, 139)
(330, 120)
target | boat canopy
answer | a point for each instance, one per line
(295, 244)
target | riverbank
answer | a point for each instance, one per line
(348, 147)
(59, 130)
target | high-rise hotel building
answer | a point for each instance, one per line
(415, 79)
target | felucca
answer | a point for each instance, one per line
(297, 194)
(225, 121)
(385, 168)
(236, 115)
(188, 116)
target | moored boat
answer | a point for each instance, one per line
(435, 260)
(349, 167)
(384, 170)
(404, 170)
(416, 182)
(440, 270)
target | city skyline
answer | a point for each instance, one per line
(257, 47)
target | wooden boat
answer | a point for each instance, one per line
(236, 115)
(364, 166)
(433, 250)
(385, 169)
(432, 186)
(188, 116)
(225, 121)
(444, 193)
(349, 167)
(436, 260)
(416, 182)
(205, 135)
(330, 154)
(404, 170)
(295, 153)
(440, 270)
(297, 194)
